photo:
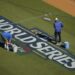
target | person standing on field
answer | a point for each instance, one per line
(58, 25)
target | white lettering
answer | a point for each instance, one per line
(38, 45)
(67, 62)
(15, 30)
(25, 39)
(60, 57)
(2, 20)
(29, 39)
(17, 36)
(41, 47)
(46, 50)
(54, 53)
(5, 26)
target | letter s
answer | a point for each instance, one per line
(38, 45)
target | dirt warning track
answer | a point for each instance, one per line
(67, 6)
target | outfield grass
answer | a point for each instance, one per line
(27, 12)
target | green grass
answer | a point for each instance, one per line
(26, 12)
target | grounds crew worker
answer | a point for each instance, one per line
(58, 25)
(6, 38)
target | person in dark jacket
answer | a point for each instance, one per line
(58, 25)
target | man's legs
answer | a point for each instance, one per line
(56, 36)
(59, 35)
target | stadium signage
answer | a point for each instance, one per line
(26, 37)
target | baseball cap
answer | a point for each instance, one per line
(56, 19)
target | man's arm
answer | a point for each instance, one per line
(62, 25)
